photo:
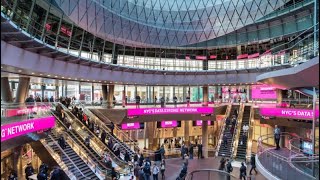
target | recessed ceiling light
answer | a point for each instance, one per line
(49, 75)
(40, 74)
(32, 73)
(55, 76)
(104, 81)
(75, 79)
(99, 81)
(69, 78)
(62, 77)
(87, 79)
(19, 70)
(94, 80)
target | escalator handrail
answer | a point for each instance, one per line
(229, 108)
(83, 147)
(119, 131)
(114, 157)
(107, 129)
(61, 150)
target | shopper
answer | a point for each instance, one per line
(113, 173)
(277, 133)
(114, 101)
(175, 99)
(243, 171)
(188, 101)
(163, 168)
(225, 140)
(199, 151)
(191, 151)
(162, 151)
(56, 173)
(147, 170)
(155, 100)
(29, 171)
(126, 157)
(222, 164)
(112, 128)
(155, 172)
(229, 167)
(162, 102)
(87, 141)
(253, 164)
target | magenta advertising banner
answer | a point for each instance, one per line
(199, 123)
(182, 110)
(289, 113)
(263, 92)
(169, 124)
(27, 110)
(130, 126)
(16, 129)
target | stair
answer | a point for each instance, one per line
(242, 149)
(82, 166)
(227, 151)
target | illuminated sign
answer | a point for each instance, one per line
(28, 110)
(289, 113)
(199, 123)
(186, 110)
(16, 129)
(263, 92)
(169, 124)
(128, 126)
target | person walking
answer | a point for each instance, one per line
(243, 171)
(199, 151)
(277, 133)
(112, 127)
(191, 151)
(229, 168)
(136, 170)
(225, 141)
(155, 171)
(222, 164)
(175, 99)
(103, 136)
(253, 164)
(155, 101)
(163, 168)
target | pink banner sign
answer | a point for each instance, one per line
(16, 129)
(288, 113)
(22, 111)
(169, 124)
(182, 110)
(199, 123)
(263, 92)
(201, 57)
(128, 126)
(242, 56)
(254, 55)
(212, 56)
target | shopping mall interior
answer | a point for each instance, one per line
(159, 89)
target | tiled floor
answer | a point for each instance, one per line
(173, 167)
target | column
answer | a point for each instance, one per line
(92, 93)
(110, 96)
(279, 95)
(205, 91)
(43, 88)
(104, 93)
(124, 96)
(187, 132)
(205, 138)
(23, 89)
(6, 94)
(151, 131)
(57, 93)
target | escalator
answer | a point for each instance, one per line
(228, 150)
(80, 132)
(123, 146)
(307, 91)
(242, 148)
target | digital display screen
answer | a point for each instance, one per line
(307, 147)
(168, 124)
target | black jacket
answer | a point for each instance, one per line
(253, 161)
(243, 170)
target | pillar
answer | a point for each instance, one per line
(279, 95)
(43, 88)
(110, 96)
(104, 88)
(6, 94)
(187, 132)
(22, 90)
(92, 93)
(205, 138)
(205, 90)
(150, 133)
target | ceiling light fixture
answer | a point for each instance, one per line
(55, 76)
(40, 74)
(32, 73)
(48, 75)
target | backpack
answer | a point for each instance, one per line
(146, 168)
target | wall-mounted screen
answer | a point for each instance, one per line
(199, 123)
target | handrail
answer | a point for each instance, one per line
(250, 134)
(236, 131)
(97, 140)
(190, 174)
(116, 129)
(83, 151)
(61, 163)
(227, 114)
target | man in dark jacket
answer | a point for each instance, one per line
(112, 128)
(29, 171)
(191, 151)
(225, 141)
(243, 171)
(253, 164)
(103, 136)
(199, 151)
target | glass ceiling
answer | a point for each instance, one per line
(165, 23)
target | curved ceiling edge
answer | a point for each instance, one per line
(20, 58)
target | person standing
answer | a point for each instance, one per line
(191, 151)
(136, 171)
(188, 101)
(114, 102)
(222, 164)
(229, 167)
(175, 99)
(155, 100)
(199, 151)
(253, 164)
(103, 136)
(163, 168)
(243, 171)
(277, 136)
(29, 171)
(155, 172)
(112, 128)
(225, 141)
(162, 102)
